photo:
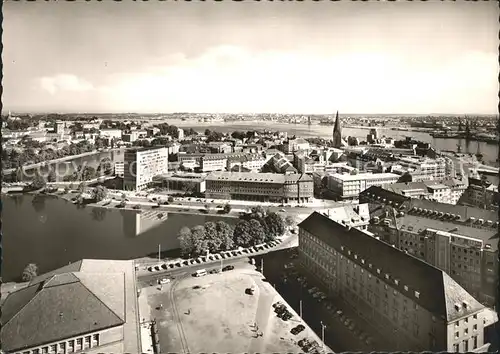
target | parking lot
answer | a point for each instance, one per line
(216, 313)
(344, 331)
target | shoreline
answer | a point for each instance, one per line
(61, 159)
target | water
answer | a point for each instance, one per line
(53, 232)
(68, 167)
(490, 151)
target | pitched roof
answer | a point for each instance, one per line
(464, 211)
(436, 289)
(62, 306)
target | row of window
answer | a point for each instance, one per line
(69, 346)
(465, 345)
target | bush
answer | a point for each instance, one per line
(30, 272)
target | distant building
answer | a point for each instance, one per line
(119, 169)
(264, 187)
(180, 134)
(446, 191)
(337, 133)
(152, 131)
(88, 306)
(59, 127)
(183, 182)
(462, 241)
(481, 194)
(415, 306)
(278, 163)
(349, 186)
(142, 164)
(111, 133)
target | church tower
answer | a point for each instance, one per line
(337, 133)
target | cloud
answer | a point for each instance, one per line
(64, 82)
(234, 79)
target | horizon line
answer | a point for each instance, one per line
(244, 113)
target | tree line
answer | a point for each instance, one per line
(256, 227)
(13, 158)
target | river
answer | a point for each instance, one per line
(54, 232)
(490, 151)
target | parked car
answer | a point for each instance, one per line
(164, 281)
(227, 268)
(296, 330)
(249, 291)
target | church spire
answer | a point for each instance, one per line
(336, 128)
(337, 132)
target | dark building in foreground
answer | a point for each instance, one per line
(413, 304)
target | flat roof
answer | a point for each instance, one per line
(346, 177)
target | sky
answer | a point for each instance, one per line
(251, 57)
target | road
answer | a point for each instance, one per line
(179, 273)
(239, 206)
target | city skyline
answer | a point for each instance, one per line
(407, 58)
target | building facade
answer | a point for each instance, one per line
(349, 186)
(259, 186)
(142, 164)
(428, 312)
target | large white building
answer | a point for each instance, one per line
(142, 164)
(423, 168)
(111, 133)
(348, 186)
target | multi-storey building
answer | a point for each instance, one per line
(425, 167)
(180, 134)
(265, 187)
(279, 163)
(88, 306)
(348, 186)
(446, 191)
(111, 133)
(414, 305)
(142, 164)
(119, 169)
(251, 162)
(215, 162)
(458, 239)
(481, 194)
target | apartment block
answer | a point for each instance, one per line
(349, 186)
(460, 240)
(142, 164)
(414, 305)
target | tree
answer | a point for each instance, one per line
(98, 214)
(212, 237)
(186, 241)
(275, 226)
(227, 208)
(257, 233)
(289, 221)
(170, 199)
(225, 234)
(99, 193)
(38, 182)
(199, 240)
(52, 176)
(241, 234)
(30, 272)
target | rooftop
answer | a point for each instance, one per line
(437, 292)
(368, 176)
(257, 177)
(84, 296)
